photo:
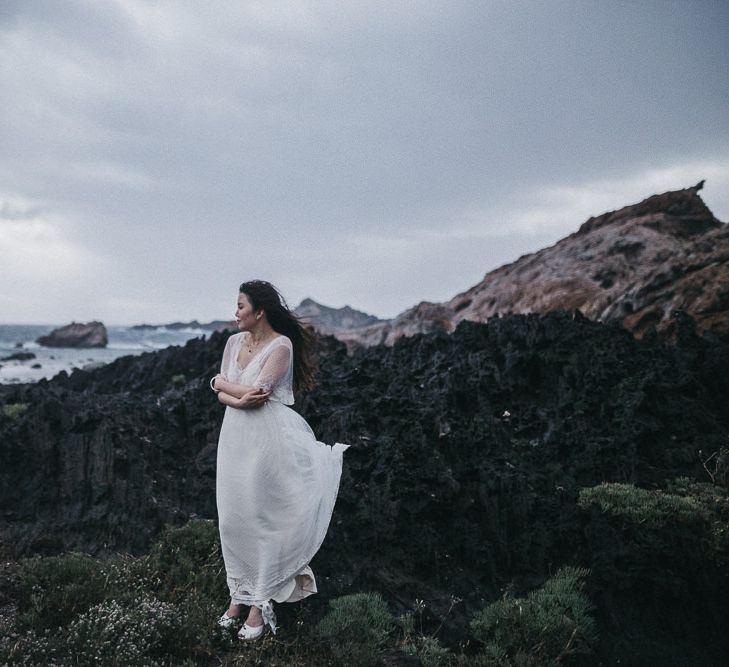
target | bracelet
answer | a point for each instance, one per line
(212, 384)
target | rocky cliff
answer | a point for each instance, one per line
(468, 454)
(633, 266)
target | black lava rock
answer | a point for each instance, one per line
(468, 453)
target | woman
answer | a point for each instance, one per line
(276, 485)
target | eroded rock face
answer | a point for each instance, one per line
(468, 452)
(634, 266)
(426, 317)
(105, 457)
(76, 334)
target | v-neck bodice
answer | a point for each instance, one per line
(271, 368)
(255, 356)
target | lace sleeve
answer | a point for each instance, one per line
(225, 363)
(227, 356)
(276, 369)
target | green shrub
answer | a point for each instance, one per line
(14, 410)
(122, 611)
(185, 567)
(54, 589)
(187, 559)
(145, 634)
(429, 651)
(700, 507)
(356, 627)
(129, 578)
(715, 500)
(710, 496)
(179, 380)
(653, 508)
(551, 623)
(407, 623)
(426, 647)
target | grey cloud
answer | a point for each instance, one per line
(224, 131)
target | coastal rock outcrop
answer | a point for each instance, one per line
(426, 317)
(328, 320)
(469, 452)
(214, 325)
(634, 266)
(76, 334)
(18, 356)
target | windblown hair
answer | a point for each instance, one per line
(263, 295)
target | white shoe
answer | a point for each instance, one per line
(226, 621)
(249, 632)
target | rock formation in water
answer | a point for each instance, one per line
(18, 356)
(76, 334)
(214, 325)
(634, 266)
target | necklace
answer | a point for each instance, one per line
(254, 345)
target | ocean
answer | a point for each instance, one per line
(48, 361)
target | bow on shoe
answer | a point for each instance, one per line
(269, 617)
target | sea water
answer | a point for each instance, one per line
(49, 361)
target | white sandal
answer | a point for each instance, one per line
(226, 621)
(249, 632)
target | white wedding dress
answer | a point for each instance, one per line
(276, 485)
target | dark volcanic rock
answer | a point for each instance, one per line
(76, 334)
(18, 356)
(468, 452)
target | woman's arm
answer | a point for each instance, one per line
(219, 383)
(254, 398)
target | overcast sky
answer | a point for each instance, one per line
(153, 155)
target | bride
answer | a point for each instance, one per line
(276, 485)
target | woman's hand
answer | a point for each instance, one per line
(254, 398)
(221, 384)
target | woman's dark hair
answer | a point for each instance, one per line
(265, 296)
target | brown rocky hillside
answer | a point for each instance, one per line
(634, 266)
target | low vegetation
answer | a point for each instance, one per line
(696, 512)
(161, 609)
(547, 626)
(14, 410)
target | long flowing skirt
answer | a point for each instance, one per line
(276, 489)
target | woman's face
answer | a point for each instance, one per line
(245, 315)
